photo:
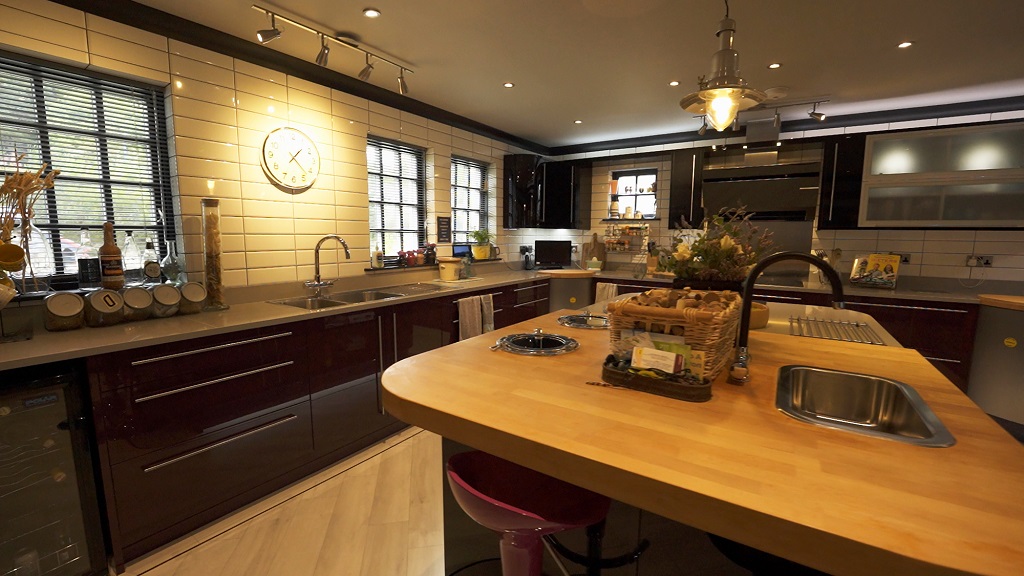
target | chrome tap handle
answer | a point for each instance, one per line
(739, 372)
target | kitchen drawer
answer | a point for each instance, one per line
(349, 416)
(342, 348)
(525, 292)
(165, 493)
(499, 300)
(769, 295)
(158, 369)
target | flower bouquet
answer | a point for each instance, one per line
(724, 250)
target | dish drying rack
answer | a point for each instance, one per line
(840, 330)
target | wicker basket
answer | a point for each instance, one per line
(713, 332)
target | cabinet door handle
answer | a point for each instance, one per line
(380, 343)
(693, 185)
(636, 286)
(832, 192)
(527, 288)
(209, 349)
(530, 302)
(394, 333)
(901, 307)
(211, 382)
(220, 443)
(774, 297)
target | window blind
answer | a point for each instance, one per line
(469, 198)
(107, 137)
(396, 177)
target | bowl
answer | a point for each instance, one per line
(12, 257)
(758, 315)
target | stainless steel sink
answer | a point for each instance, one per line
(359, 296)
(859, 403)
(310, 302)
(418, 288)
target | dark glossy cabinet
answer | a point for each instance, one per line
(841, 174)
(525, 301)
(540, 194)
(412, 328)
(344, 384)
(190, 430)
(769, 295)
(685, 190)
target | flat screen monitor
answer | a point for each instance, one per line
(553, 253)
(462, 250)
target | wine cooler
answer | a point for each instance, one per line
(49, 515)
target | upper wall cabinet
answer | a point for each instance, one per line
(970, 177)
(842, 165)
(546, 194)
(684, 203)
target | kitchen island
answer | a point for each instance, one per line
(735, 466)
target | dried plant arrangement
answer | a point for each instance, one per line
(18, 195)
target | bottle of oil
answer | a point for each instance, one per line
(111, 264)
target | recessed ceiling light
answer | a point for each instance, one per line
(904, 44)
(577, 121)
(674, 83)
(371, 12)
(775, 66)
(508, 85)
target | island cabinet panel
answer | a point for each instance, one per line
(344, 354)
(630, 286)
(190, 430)
(942, 332)
(769, 295)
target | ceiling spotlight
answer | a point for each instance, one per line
(736, 125)
(777, 120)
(403, 88)
(674, 83)
(904, 44)
(269, 34)
(364, 74)
(774, 66)
(819, 116)
(371, 12)
(725, 94)
(325, 51)
(508, 85)
(703, 126)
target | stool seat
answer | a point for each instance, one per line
(521, 504)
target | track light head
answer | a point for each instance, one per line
(703, 127)
(403, 88)
(364, 74)
(777, 120)
(269, 34)
(325, 51)
(819, 116)
(736, 124)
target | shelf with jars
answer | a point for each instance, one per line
(626, 238)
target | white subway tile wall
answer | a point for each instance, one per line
(220, 110)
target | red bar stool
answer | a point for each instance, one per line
(524, 506)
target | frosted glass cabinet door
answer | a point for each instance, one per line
(955, 177)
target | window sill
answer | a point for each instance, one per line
(629, 219)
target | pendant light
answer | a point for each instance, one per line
(725, 94)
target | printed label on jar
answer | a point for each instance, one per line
(152, 270)
(111, 267)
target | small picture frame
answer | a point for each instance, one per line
(444, 229)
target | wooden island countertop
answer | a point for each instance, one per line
(736, 466)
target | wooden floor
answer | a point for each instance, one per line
(376, 513)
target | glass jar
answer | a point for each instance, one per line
(171, 266)
(212, 255)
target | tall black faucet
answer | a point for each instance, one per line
(739, 372)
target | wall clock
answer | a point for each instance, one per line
(290, 159)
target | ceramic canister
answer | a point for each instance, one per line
(64, 311)
(193, 296)
(103, 308)
(138, 303)
(166, 300)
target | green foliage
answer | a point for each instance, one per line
(727, 248)
(481, 237)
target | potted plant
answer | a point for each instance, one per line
(720, 255)
(482, 250)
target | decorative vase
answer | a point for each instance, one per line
(734, 285)
(481, 252)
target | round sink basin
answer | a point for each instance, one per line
(536, 343)
(585, 321)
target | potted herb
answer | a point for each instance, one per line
(482, 250)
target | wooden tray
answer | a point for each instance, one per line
(678, 390)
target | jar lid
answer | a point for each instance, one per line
(106, 301)
(210, 201)
(137, 297)
(166, 295)
(193, 292)
(64, 304)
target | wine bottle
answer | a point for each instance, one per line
(89, 275)
(111, 265)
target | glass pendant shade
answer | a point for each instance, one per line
(722, 108)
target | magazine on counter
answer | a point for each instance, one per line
(875, 270)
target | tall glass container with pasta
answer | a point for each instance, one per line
(212, 265)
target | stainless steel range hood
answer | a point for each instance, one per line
(786, 192)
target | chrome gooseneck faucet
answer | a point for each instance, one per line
(739, 372)
(316, 282)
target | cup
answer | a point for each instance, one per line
(138, 303)
(166, 300)
(64, 311)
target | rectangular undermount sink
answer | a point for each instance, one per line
(859, 403)
(359, 296)
(310, 302)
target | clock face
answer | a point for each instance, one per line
(290, 159)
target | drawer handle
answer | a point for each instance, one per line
(211, 382)
(534, 287)
(906, 307)
(530, 302)
(774, 297)
(496, 311)
(635, 286)
(949, 360)
(210, 349)
(220, 443)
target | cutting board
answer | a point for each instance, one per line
(593, 249)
